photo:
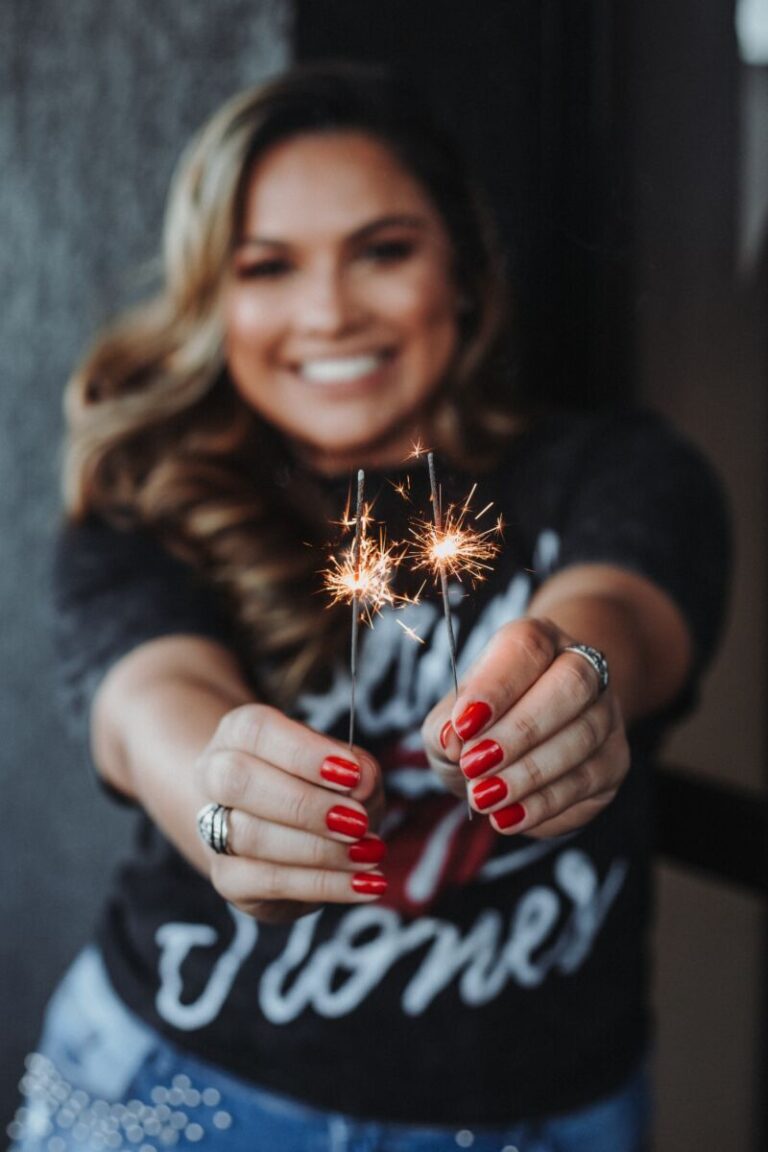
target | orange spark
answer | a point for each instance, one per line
(454, 549)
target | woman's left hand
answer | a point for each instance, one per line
(530, 738)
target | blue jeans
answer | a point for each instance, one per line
(102, 1080)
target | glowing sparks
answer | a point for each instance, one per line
(363, 579)
(417, 449)
(410, 632)
(454, 548)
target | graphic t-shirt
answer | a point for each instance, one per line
(500, 978)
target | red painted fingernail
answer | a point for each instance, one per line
(474, 717)
(369, 883)
(509, 816)
(347, 821)
(487, 754)
(337, 770)
(488, 792)
(445, 733)
(368, 851)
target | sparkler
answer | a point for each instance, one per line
(362, 578)
(450, 546)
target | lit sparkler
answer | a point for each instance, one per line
(449, 546)
(361, 577)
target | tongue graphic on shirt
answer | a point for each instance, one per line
(432, 843)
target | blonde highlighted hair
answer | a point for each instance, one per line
(158, 438)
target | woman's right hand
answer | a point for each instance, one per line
(302, 806)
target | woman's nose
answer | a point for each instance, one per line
(325, 306)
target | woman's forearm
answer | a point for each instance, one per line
(635, 624)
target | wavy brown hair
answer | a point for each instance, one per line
(159, 439)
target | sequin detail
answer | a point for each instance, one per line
(53, 1106)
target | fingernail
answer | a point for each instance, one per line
(474, 717)
(509, 816)
(445, 733)
(337, 770)
(488, 792)
(369, 883)
(487, 754)
(368, 851)
(347, 821)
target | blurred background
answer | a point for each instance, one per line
(625, 148)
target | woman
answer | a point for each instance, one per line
(264, 977)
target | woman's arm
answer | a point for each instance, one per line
(538, 747)
(175, 727)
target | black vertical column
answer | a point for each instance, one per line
(534, 91)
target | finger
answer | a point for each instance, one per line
(268, 734)
(247, 882)
(516, 657)
(496, 755)
(571, 820)
(567, 691)
(258, 839)
(586, 784)
(243, 782)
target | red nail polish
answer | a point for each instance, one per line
(347, 821)
(485, 755)
(337, 770)
(445, 733)
(369, 883)
(368, 851)
(509, 816)
(488, 792)
(474, 717)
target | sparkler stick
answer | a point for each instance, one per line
(355, 601)
(437, 514)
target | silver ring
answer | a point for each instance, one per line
(598, 661)
(213, 826)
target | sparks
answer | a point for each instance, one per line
(417, 449)
(453, 548)
(364, 578)
(410, 632)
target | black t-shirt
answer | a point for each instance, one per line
(501, 978)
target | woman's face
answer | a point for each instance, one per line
(340, 313)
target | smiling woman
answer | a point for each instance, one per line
(312, 937)
(341, 334)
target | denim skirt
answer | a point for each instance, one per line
(103, 1081)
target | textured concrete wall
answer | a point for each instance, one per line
(96, 101)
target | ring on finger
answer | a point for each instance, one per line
(596, 658)
(213, 828)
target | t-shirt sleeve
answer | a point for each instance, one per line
(648, 500)
(113, 591)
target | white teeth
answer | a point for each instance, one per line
(340, 370)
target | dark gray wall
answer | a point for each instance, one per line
(96, 101)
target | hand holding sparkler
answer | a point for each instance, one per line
(449, 545)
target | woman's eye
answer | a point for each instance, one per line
(389, 251)
(263, 270)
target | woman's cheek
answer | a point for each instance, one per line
(249, 320)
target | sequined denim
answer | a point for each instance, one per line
(104, 1082)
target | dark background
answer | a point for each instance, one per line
(619, 145)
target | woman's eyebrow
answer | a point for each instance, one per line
(394, 220)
